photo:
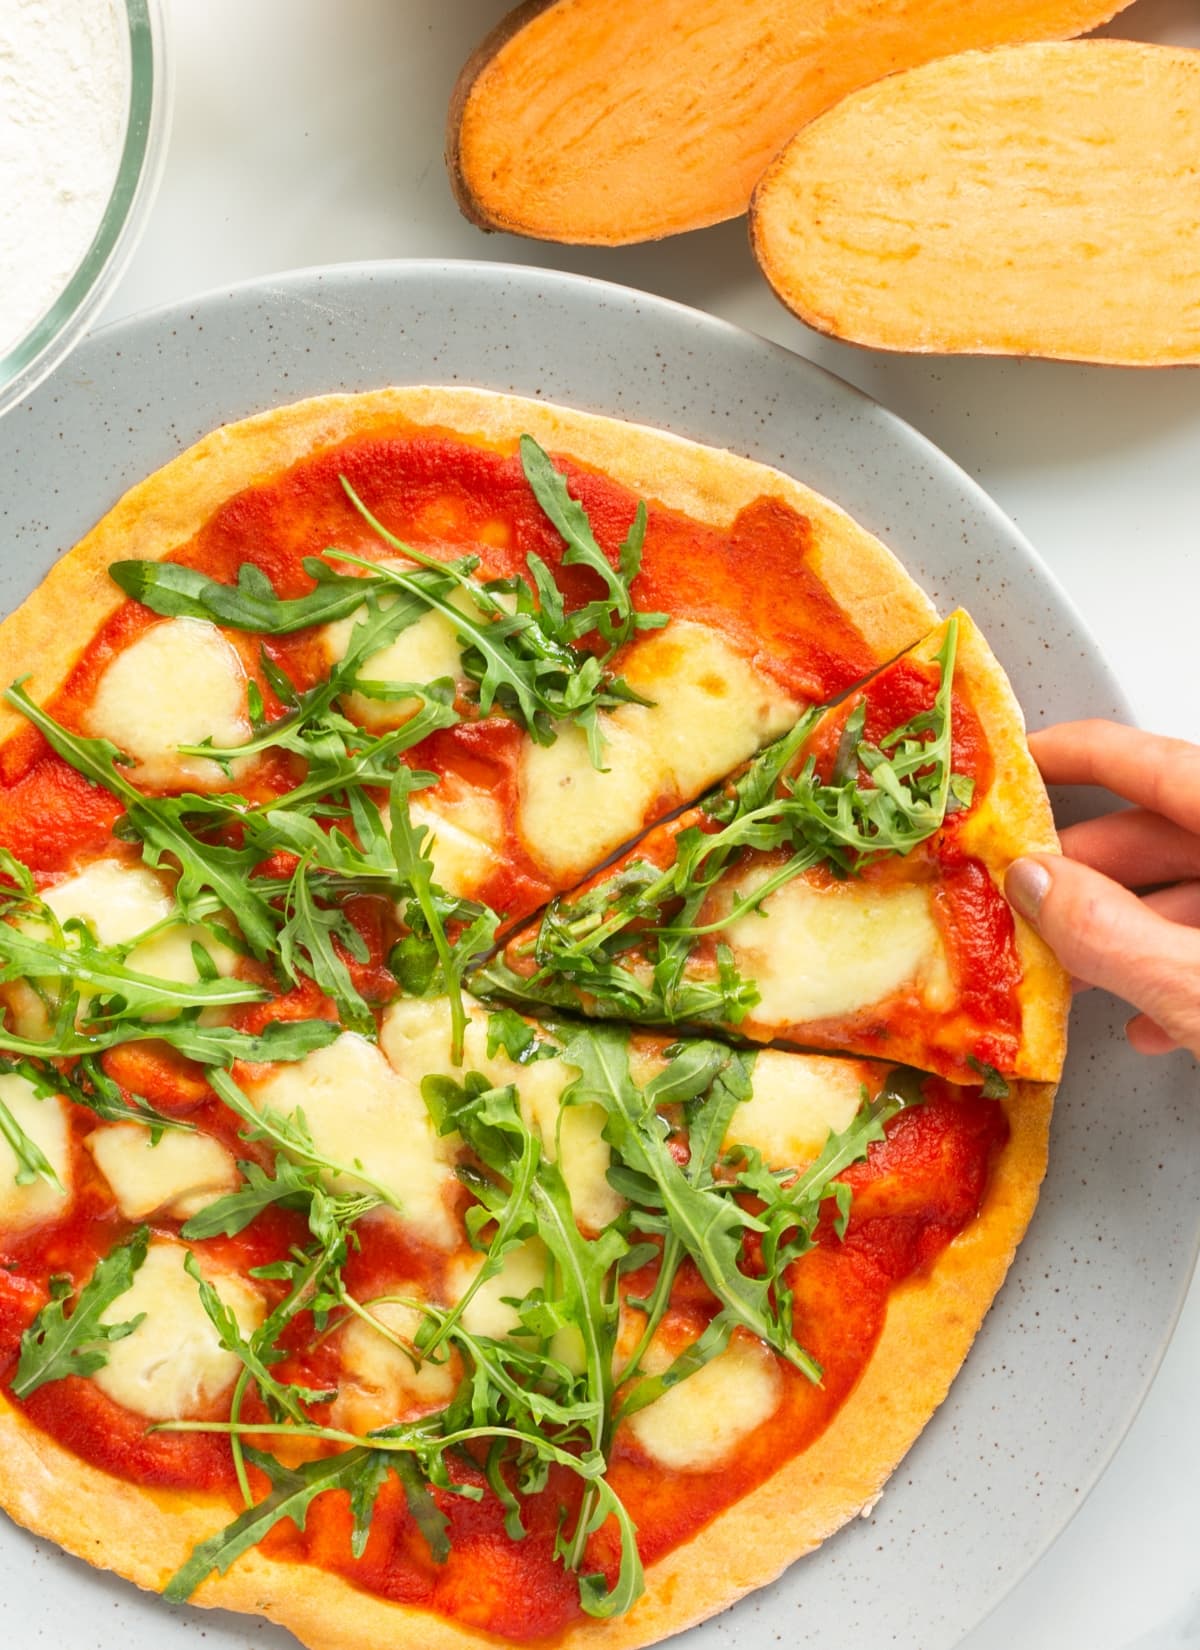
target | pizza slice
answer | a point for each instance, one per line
(843, 892)
(394, 1347)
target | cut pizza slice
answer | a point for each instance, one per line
(568, 1320)
(843, 892)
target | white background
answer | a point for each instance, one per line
(310, 131)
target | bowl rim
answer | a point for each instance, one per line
(58, 329)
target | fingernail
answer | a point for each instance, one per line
(1026, 885)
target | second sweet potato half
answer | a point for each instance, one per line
(1032, 200)
(610, 121)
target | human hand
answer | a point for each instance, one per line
(1145, 949)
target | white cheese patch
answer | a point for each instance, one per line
(363, 1113)
(824, 951)
(173, 1364)
(119, 899)
(522, 1270)
(415, 1036)
(180, 1175)
(712, 710)
(381, 1383)
(45, 1122)
(698, 1424)
(798, 1100)
(424, 652)
(462, 861)
(179, 683)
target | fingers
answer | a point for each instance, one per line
(1178, 904)
(1106, 935)
(1134, 847)
(1160, 774)
(1147, 1037)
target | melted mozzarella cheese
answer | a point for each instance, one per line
(120, 900)
(381, 1383)
(415, 1036)
(425, 651)
(45, 1122)
(712, 709)
(179, 683)
(698, 1424)
(462, 861)
(824, 951)
(363, 1113)
(798, 1100)
(173, 1364)
(522, 1269)
(180, 1175)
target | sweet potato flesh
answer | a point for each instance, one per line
(1034, 200)
(609, 121)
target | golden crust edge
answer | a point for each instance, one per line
(1016, 819)
(162, 513)
(930, 1325)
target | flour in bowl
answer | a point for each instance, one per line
(64, 103)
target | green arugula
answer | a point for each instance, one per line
(55, 1345)
(614, 618)
(293, 1491)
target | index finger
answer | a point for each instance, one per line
(1157, 773)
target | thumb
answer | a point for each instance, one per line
(1103, 934)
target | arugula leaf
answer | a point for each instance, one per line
(32, 1162)
(615, 618)
(995, 1086)
(88, 1084)
(173, 590)
(289, 1185)
(120, 991)
(293, 1490)
(517, 1037)
(289, 1133)
(711, 1229)
(412, 847)
(283, 1398)
(55, 1345)
(306, 943)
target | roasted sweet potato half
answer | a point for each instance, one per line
(609, 121)
(1032, 200)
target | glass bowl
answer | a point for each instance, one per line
(60, 327)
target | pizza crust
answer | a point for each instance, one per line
(145, 1535)
(161, 514)
(1012, 819)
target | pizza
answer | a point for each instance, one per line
(806, 900)
(382, 1253)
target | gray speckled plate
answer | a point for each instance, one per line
(1069, 1349)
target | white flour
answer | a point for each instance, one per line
(64, 99)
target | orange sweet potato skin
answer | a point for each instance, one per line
(606, 122)
(1029, 200)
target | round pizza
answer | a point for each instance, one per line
(518, 1081)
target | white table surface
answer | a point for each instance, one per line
(310, 132)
